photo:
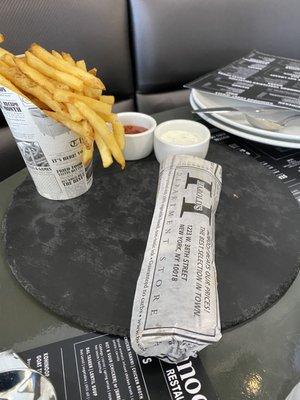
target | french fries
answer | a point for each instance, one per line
(74, 113)
(81, 64)
(108, 117)
(119, 133)
(94, 93)
(87, 155)
(28, 85)
(87, 127)
(65, 67)
(105, 154)
(5, 82)
(8, 59)
(93, 71)
(108, 99)
(67, 57)
(57, 54)
(53, 73)
(3, 51)
(38, 102)
(73, 126)
(35, 75)
(101, 129)
(70, 94)
(69, 97)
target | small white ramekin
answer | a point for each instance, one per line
(138, 145)
(163, 149)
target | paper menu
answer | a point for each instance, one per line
(101, 366)
(258, 78)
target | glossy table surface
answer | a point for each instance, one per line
(257, 360)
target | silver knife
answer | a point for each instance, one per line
(228, 109)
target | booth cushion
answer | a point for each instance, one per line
(156, 102)
(11, 159)
(96, 30)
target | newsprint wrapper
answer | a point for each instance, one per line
(176, 309)
(51, 151)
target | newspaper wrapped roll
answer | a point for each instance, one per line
(176, 310)
(52, 153)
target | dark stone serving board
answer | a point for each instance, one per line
(81, 258)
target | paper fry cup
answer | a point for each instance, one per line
(52, 153)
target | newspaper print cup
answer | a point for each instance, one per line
(52, 153)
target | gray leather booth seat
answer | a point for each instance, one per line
(176, 41)
(96, 30)
(10, 157)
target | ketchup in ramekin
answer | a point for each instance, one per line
(133, 129)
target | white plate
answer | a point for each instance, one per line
(204, 100)
(242, 132)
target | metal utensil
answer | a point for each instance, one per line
(256, 122)
(19, 382)
(269, 125)
(25, 384)
(241, 109)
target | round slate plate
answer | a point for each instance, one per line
(81, 257)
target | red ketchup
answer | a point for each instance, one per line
(133, 129)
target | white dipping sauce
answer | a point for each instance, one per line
(180, 137)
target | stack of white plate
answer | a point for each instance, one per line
(237, 124)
